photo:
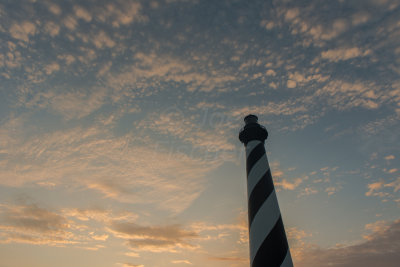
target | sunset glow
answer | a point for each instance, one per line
(119, 125)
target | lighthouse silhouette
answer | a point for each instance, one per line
(268, 242)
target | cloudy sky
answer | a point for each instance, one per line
(119, 127)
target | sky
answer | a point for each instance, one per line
(119, 125)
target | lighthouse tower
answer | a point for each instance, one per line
(268, 242)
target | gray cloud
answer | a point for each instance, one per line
(132, 265)
(382, 248)
(34, 225)
(33, 218)
(153, 238)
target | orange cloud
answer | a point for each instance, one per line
(23, 30)
(131, 265)
(378, 227)
(331, 190)
(53, 8)
(82, 13)
(308, 191)
(389, 157)
(70, 22)
(181, 262)
(153, 238)
(373, 187)
(162, 175)
(51, 28)
(380, 249)
(237, 259)
(34, 225)
(339, 54)
(154, 67)
(395, 184)
(289, 185)
(344, 95)
(297, 241)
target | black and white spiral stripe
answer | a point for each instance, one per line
(268, 243)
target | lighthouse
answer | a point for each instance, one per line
(268, 243)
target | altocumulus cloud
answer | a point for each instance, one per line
(155, 168)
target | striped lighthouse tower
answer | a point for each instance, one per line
(268, 243)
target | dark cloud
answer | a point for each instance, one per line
(133, 99)
(381, 249)
(33, 218)
(153, 238)
(34, 225)
(152, 243)
(229, 259)
(132, 265)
